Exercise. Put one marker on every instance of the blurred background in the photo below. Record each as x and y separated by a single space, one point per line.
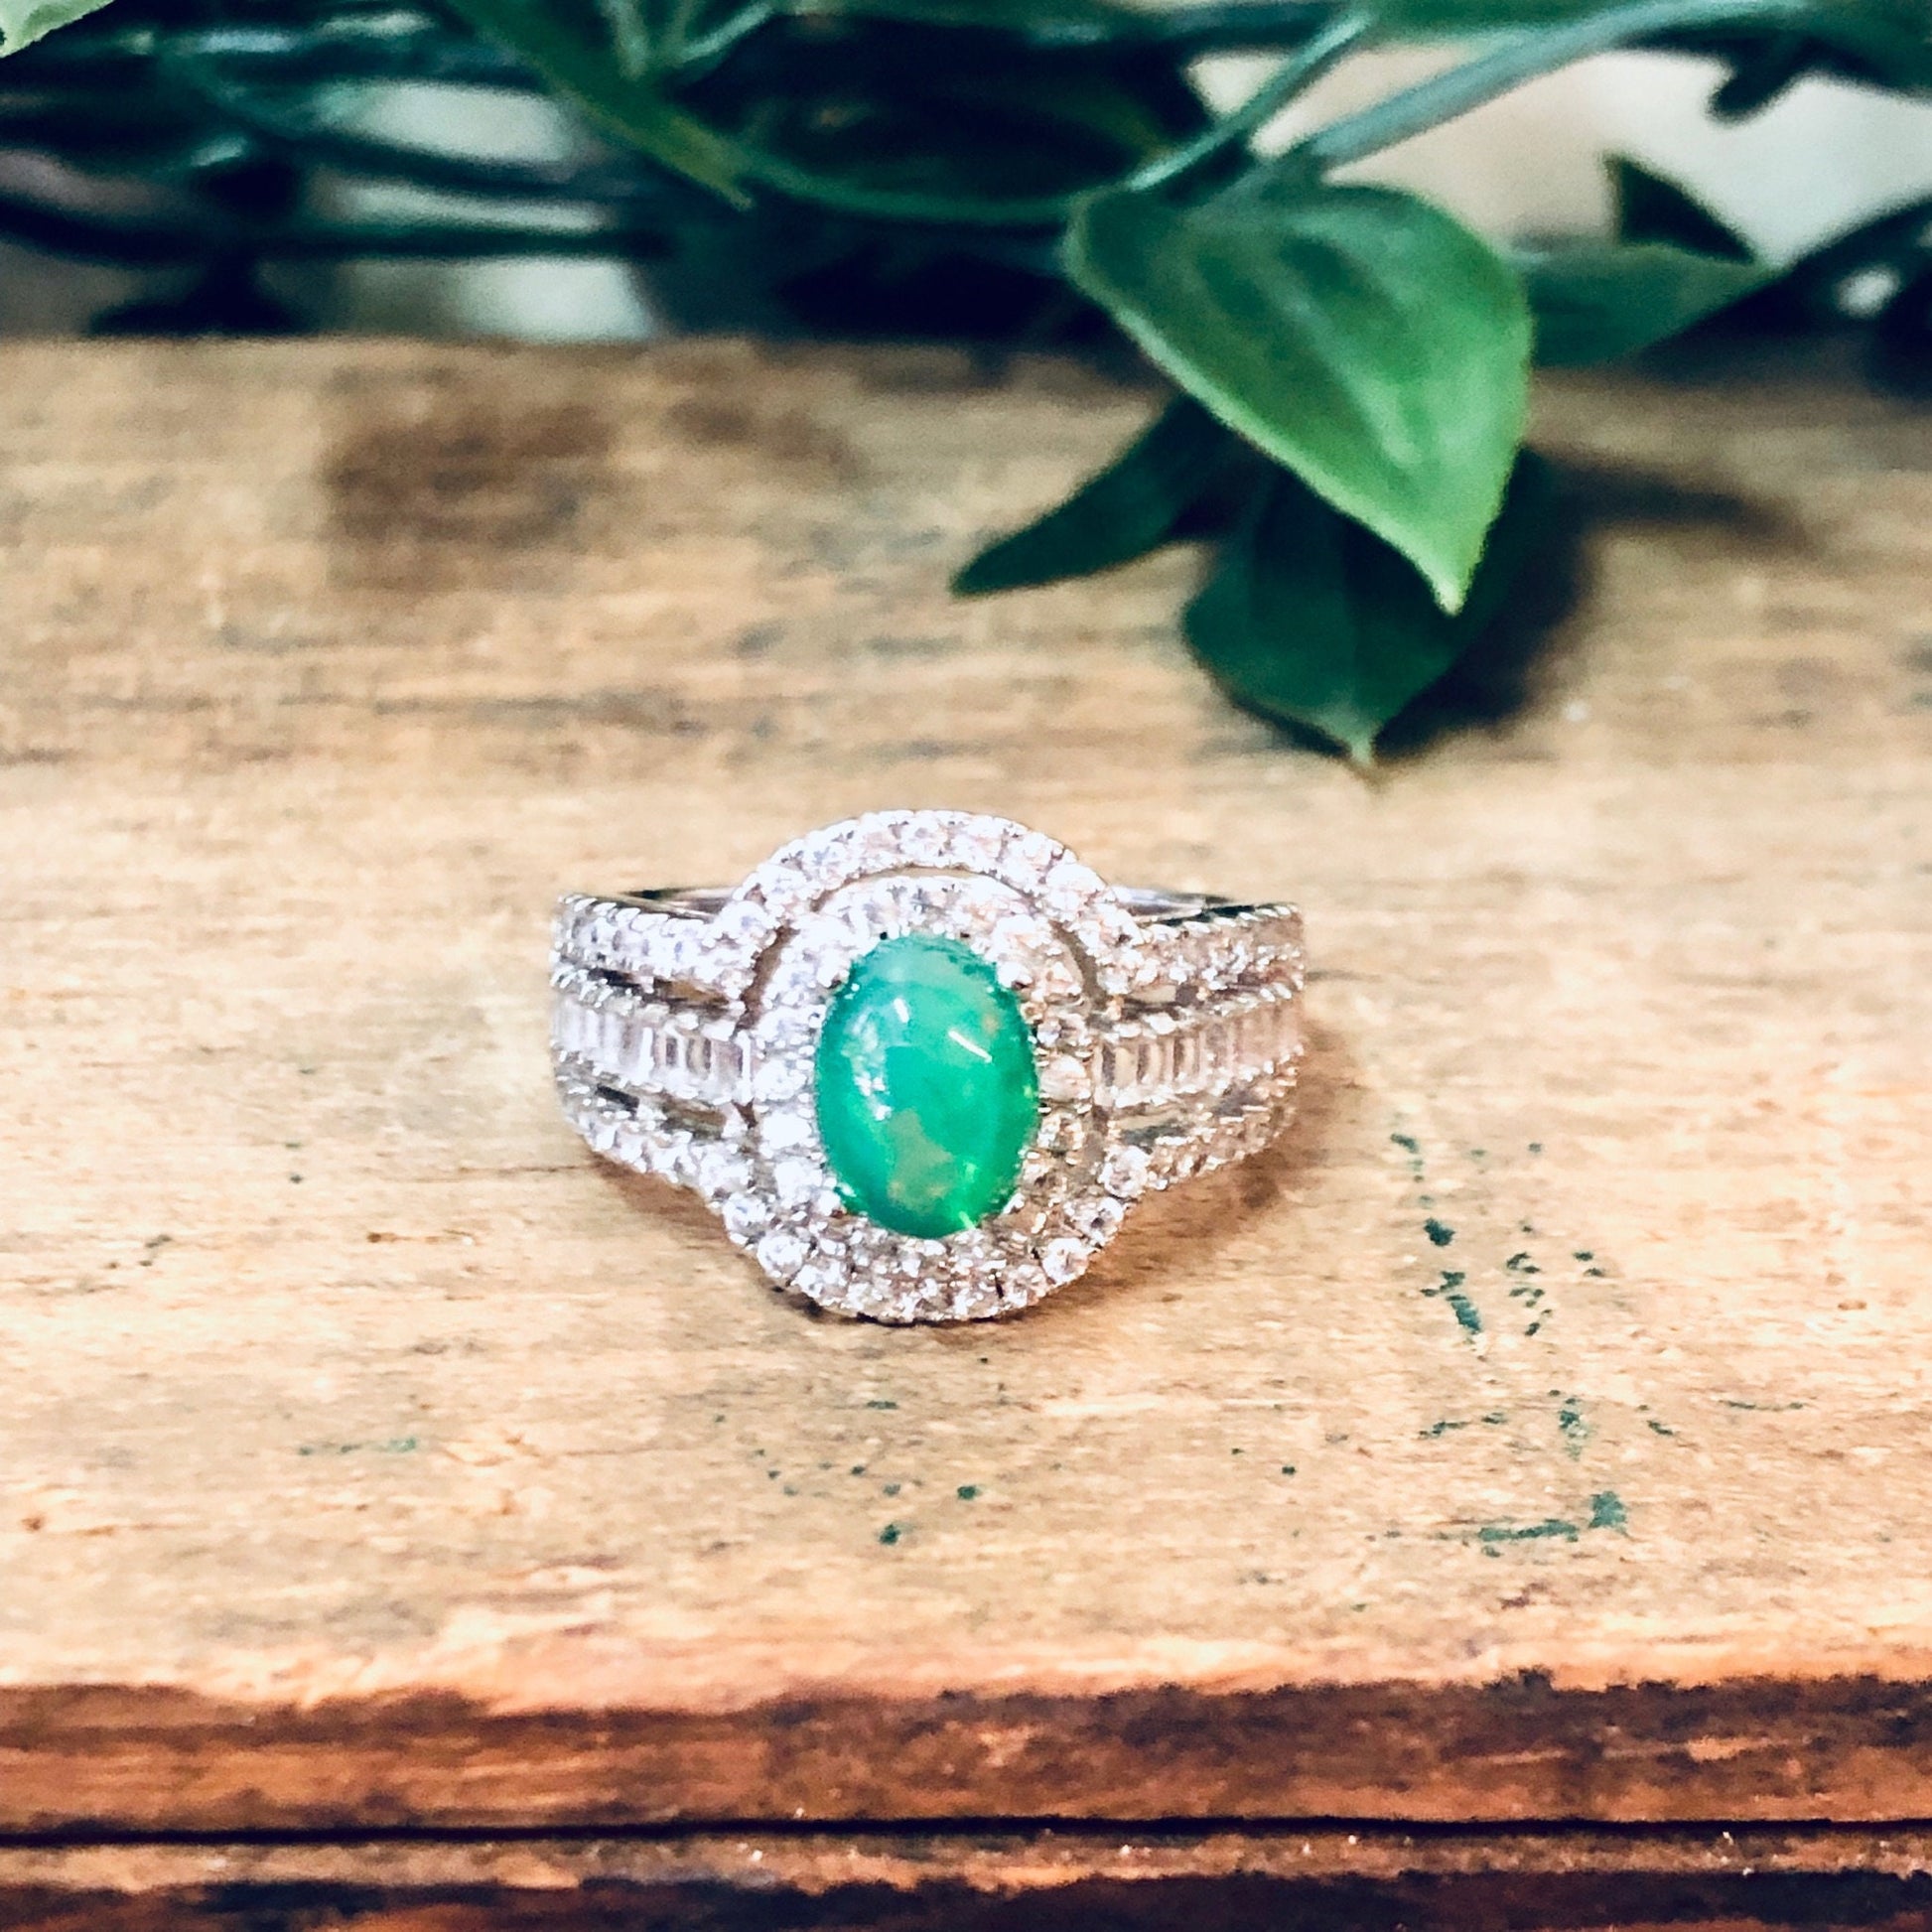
1826 155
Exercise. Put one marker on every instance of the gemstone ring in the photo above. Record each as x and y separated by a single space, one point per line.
922 1064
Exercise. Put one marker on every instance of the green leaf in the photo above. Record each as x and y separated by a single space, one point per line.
1314 620
1761 73
1648 207
1358 335
1595 301
1674 264
23 21
569 43
1885 41
1132 506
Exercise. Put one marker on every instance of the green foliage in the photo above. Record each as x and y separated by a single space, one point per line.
1137 504
1673 265
1649 208
23 21
1358 335
1352 361
1316 621
569 43
1596 302
857 114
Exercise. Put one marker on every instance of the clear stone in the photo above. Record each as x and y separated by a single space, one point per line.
1186 1060
874 845
1063 1260
743 926
1028 859
1024 1285
780 1078
722 1170
821 1280
974 1301
928 841
1063 1078
675 948
976 844
780 889
1070 887
785 1128
795 1179
1124 1172
909 1305
745 1216
782 1253
1098 1219
1038 1168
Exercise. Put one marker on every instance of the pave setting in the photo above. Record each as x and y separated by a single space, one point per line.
1139 1038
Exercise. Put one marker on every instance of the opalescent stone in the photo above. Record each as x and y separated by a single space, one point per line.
926 1090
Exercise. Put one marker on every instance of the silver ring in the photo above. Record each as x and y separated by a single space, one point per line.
922 1064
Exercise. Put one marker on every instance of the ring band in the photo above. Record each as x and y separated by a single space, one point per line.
921 1063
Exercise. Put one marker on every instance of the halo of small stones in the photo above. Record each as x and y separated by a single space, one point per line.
1059 941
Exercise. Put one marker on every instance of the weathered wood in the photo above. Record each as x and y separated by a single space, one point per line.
1541 1433
1366 1879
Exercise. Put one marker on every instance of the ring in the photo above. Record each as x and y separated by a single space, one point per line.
921 1063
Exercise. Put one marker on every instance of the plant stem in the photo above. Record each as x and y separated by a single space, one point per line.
1301 68
1445 97
1320 50
706 49
1341 33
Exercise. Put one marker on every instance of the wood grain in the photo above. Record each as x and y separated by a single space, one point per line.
1362 1881
1541 1433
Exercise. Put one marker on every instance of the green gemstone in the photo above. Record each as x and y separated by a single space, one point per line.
927 1091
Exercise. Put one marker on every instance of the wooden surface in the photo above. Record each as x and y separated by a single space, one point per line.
1541 1433
1365 1879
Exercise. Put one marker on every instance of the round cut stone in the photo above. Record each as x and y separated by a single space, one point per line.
926 1090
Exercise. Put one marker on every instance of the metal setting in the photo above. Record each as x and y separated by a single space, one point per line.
1166 1031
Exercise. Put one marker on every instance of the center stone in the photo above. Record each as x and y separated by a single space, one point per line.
927 1091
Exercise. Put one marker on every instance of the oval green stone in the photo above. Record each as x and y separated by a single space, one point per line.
927 1091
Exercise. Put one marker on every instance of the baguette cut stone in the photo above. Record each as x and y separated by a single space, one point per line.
926 1088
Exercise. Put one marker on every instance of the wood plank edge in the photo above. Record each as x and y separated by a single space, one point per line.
133 1760
994 1860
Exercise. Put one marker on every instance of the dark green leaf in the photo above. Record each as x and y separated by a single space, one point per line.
569 43
1885 41
1314 620
940 124
1650 209
1132 506
1595 301
1356 334
1762 72
23 21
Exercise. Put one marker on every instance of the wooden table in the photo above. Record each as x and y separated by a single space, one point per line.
394 1500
